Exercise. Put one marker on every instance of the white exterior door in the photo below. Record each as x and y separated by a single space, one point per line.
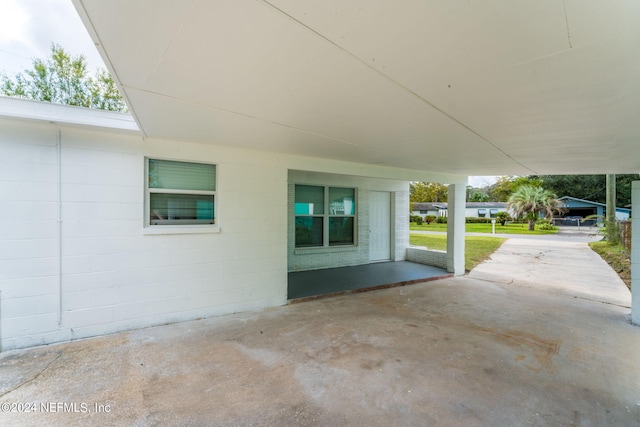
380 226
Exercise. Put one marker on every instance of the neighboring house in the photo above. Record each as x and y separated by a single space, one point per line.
424 209
472 209
574 207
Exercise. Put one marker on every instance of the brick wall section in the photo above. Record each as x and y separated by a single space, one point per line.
427 257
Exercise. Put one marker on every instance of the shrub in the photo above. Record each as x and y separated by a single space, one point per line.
441 220
503 217
419 220
429 218
545 225
475 220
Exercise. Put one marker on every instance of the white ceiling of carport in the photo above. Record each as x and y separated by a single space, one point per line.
464 87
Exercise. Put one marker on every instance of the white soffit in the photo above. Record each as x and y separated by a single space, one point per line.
470 88
25 109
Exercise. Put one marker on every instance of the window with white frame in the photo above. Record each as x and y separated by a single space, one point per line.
482 213
324 216
180 193
493 212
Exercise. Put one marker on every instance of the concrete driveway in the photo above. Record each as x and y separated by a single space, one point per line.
537 336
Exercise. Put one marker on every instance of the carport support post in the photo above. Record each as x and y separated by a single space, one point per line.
455 227
635 253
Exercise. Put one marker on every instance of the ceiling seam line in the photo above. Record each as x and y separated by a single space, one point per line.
403 87
307 131
173 38
566 22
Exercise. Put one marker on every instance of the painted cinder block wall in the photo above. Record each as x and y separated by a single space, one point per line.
76 262
111 276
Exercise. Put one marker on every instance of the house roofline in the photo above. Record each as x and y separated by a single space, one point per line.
26 109
592 202
468 205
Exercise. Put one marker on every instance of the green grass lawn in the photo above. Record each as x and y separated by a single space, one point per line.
484 228
476 248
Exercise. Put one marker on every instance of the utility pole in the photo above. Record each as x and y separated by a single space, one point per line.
613 235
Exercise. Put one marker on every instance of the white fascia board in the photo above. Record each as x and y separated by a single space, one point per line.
66 115
315 164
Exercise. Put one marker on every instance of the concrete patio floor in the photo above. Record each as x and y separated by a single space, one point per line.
312 284
537 336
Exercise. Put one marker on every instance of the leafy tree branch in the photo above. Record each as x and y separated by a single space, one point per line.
64 79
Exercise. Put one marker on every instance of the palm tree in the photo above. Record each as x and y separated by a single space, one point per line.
528 202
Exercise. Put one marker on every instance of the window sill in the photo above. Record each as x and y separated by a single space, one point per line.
180 229
324 249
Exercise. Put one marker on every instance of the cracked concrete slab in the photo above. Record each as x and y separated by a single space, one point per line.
515 343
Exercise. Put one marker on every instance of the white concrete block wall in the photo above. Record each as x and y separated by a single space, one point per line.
114 277
105 274
28 231
427 257
401 222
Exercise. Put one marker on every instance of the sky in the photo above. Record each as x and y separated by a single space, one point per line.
482 181
28 27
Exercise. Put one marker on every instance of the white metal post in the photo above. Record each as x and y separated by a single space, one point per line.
455 228
635 253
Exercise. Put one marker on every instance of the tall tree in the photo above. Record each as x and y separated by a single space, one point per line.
590 187
507 185
477 195
529 201
623 188
427 192
613 235
64 79
587 187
